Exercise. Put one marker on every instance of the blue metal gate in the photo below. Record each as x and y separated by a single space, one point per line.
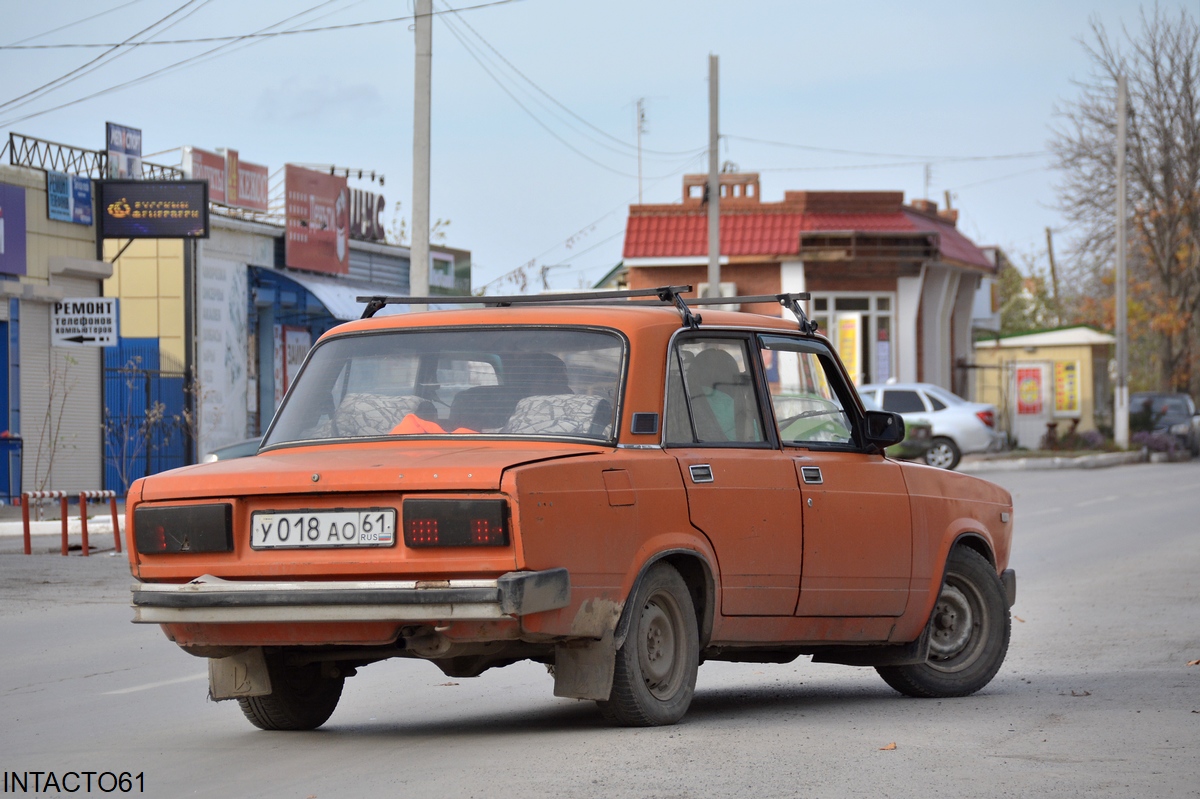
148 424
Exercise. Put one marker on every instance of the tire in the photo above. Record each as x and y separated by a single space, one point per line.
943 453
969 632
301 697
655 671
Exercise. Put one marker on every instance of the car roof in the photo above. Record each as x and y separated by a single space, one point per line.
627 317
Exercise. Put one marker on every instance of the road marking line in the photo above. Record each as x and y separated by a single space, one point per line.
151 685
1042 512
1087 502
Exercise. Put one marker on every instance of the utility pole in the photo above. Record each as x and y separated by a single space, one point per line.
714 185
1121 401
641 128
418 271
1053 277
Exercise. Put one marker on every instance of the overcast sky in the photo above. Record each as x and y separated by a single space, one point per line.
915 83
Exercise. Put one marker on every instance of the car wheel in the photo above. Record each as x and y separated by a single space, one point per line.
943 453
655 672
301 698
968 633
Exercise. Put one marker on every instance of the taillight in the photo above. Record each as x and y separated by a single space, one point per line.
987 417
455 523
184 528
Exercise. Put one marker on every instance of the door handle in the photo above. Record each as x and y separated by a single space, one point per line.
701 473
812 475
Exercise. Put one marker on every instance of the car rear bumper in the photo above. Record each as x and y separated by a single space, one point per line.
209 599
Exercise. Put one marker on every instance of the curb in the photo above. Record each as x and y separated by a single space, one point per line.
1100 461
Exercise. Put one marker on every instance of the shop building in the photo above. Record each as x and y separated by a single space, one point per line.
1058 378
893 285
206 329
50 421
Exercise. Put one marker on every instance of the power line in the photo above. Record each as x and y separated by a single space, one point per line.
471 52
257 34
94 64
552 99
924 158
588 228
71 24
498 69
163 70
1001 177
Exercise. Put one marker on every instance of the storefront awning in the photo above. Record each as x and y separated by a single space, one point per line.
339 295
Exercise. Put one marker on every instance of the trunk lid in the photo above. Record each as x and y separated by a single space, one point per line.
358 467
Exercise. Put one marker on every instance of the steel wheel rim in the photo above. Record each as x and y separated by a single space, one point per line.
661 656
940 455
959 626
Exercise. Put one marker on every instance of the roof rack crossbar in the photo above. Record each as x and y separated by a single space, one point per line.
376 302
792 303
662 295
671 294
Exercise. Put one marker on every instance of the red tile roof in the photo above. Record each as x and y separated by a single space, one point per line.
679 232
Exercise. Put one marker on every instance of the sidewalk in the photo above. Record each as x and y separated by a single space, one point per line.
1034 461
46 535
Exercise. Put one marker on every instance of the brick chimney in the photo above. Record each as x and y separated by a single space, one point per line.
927 207
737 188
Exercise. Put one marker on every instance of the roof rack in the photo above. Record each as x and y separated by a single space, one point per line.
662 295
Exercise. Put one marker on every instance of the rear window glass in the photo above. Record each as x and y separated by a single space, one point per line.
900 401
506 382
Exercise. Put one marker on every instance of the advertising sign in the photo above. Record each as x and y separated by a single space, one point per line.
1066 388
124 152
318 221
848 333
12 229
246 183
291 346
159 209
231 181
202 165
223 342
69 198
84 322
1029 391
366 216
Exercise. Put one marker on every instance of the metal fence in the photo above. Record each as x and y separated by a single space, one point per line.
148 427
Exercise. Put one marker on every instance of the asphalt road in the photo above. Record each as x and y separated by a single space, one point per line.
1096 698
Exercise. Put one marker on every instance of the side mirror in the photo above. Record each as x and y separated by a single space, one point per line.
884 428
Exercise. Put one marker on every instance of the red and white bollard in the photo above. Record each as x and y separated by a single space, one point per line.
111 496
28 495
84 496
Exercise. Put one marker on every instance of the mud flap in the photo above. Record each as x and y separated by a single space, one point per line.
584 669
239 676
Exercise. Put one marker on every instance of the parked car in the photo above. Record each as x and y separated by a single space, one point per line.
238 449
1169 413
959 426
601 486
918 434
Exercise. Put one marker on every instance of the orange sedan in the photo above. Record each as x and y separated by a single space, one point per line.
618 490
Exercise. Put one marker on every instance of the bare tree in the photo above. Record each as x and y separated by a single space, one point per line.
1161 62
52 438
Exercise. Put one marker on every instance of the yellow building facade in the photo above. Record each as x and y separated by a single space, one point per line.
1058 377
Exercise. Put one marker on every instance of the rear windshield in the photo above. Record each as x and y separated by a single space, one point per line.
558 383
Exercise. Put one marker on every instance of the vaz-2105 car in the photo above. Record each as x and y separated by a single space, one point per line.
618 489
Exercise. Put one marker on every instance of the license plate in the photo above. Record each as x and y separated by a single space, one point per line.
372 527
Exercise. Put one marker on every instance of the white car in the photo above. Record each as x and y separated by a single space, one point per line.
959 426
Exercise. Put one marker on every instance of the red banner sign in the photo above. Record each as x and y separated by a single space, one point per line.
231 181
318 221
1029 391
203 165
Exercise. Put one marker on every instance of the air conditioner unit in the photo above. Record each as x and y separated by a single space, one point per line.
726 290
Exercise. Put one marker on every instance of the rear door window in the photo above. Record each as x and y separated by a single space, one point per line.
902 401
